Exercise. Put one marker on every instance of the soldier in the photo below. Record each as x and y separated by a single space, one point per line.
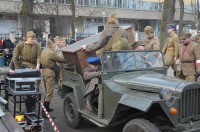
151 41
58 52
91 74
170 49
106 35
27 54
189 55
60 43
48 62
197 37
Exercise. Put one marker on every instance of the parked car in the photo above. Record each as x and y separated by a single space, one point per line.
135 90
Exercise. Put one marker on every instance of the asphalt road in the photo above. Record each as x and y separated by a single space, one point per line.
57 105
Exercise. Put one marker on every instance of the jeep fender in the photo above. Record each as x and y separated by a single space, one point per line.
140 103
77 91
140 100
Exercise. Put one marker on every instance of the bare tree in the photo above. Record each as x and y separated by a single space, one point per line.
198 12
181 2
27 16
167 17
73 16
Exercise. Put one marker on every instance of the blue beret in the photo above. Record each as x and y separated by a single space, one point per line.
93 60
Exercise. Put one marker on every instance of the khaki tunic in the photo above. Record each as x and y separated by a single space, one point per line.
59 65
48 64
170 49
26 54
188 60
152 44
4 71
197 39
104 38
91 77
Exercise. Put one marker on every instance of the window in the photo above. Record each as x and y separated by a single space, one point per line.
86 2
80 2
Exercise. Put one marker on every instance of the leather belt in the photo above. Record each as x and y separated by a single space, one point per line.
47 68
191 61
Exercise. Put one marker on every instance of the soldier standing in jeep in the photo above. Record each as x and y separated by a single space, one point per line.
105 42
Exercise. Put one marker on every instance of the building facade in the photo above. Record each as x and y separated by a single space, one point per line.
53 16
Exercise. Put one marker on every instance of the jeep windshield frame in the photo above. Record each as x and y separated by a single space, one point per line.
123 61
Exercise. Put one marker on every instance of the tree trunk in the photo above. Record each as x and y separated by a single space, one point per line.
167 17
198 28
72 8
181 2
26 15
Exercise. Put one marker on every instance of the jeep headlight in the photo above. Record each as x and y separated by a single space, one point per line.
166 94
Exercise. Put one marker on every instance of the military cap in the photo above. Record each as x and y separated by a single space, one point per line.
148 29
137 43
30 34
170 26
93 60
185 35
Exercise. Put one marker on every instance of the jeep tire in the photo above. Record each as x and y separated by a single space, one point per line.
140 125
72 116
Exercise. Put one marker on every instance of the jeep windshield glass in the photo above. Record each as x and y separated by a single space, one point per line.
131 60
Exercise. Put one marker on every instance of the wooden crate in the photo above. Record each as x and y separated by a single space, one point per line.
75 58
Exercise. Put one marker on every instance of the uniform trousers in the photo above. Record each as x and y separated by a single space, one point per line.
190 78
49 86
169 59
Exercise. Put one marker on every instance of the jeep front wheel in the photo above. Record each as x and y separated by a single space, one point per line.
140 125
72 116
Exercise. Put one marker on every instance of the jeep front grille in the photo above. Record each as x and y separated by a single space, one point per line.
190 105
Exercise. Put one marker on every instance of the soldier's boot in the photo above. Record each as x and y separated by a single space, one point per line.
47 106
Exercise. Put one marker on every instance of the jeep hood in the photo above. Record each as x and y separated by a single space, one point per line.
150 81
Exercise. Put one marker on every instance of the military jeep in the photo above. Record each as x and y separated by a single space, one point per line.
135 90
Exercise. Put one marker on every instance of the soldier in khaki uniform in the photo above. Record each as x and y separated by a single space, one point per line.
151 41
197 37
27 54
189 55
60 43
170 49
107 33
48 65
